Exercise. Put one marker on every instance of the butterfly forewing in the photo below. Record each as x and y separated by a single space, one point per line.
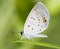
37 20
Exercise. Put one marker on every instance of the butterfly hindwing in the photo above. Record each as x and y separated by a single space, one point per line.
37 20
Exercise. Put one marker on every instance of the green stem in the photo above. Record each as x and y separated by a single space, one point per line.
40 44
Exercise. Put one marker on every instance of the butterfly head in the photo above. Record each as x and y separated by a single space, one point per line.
27 36
21 33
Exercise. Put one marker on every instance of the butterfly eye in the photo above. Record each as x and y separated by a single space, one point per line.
21 32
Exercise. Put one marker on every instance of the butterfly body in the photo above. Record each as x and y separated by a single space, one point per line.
37 21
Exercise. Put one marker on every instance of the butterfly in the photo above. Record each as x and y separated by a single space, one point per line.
36 22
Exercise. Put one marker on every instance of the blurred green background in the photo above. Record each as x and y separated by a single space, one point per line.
13 14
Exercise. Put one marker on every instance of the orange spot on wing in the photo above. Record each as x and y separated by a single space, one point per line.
44 19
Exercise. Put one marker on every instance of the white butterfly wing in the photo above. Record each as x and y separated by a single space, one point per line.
37 20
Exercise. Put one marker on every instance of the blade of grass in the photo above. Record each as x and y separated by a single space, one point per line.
40 44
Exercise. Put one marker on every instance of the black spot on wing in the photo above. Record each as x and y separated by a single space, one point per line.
32 28
40 29
28 25
32 18
41 26
39 22
39 19
38 25
34 9
45 20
